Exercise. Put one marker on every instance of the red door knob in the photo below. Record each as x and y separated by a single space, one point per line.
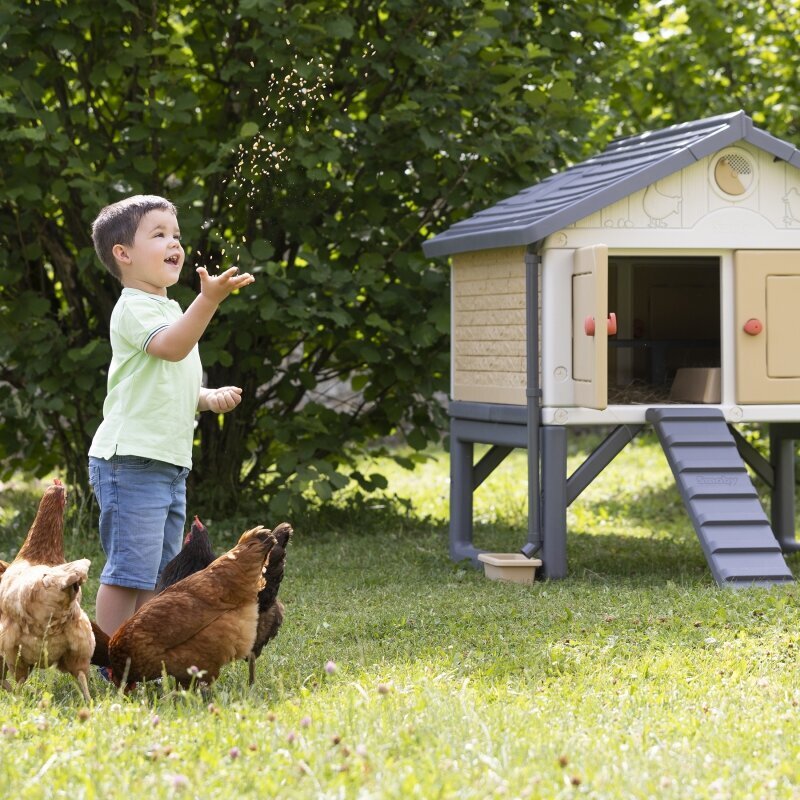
611 325
753 326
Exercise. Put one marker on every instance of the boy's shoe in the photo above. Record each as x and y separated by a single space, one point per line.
105 673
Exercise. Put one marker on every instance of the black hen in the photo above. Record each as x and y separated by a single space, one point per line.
100 656
196 554
270 609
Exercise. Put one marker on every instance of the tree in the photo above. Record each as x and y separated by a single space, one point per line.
698 58
315 144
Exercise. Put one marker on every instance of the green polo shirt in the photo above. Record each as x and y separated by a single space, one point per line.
151 403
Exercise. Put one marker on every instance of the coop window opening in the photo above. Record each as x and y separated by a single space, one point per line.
668 318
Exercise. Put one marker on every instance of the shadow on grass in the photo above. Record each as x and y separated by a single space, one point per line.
614 557
649 507
671 554
660 546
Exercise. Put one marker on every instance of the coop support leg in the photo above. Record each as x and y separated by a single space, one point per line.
781 453
461 455
554 501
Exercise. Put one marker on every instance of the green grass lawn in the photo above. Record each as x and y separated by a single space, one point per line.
636 677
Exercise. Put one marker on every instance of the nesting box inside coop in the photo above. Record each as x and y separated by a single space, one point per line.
600 297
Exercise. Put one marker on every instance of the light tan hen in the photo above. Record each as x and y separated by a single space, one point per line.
41 620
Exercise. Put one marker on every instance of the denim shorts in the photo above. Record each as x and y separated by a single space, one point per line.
142 514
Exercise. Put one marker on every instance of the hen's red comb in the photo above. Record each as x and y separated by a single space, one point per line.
57 482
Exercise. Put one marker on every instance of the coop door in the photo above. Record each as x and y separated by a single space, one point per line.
589 326
767 287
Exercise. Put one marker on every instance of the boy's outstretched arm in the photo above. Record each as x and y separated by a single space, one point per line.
226 398
176 341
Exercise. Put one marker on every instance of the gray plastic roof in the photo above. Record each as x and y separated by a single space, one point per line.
626 166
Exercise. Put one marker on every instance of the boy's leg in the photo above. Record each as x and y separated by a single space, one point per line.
143 597
115 604
136 497
176 520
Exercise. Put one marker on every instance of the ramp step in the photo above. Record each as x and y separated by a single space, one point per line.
738 511
721 539
686 413
746 566
705 457
707 483
719 496
692 433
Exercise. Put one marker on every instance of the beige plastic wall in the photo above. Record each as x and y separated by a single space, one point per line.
768 360
488 326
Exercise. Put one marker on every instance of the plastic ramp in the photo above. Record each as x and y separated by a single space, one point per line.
722 502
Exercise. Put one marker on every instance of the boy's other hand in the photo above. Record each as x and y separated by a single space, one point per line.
221 400
217 287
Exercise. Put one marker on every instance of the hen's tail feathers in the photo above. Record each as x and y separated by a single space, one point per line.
68 576
269 622
283 533
100 657
273 569
259 532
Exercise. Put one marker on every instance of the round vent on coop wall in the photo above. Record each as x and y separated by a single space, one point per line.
733 173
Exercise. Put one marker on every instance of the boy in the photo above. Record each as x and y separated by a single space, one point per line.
141 453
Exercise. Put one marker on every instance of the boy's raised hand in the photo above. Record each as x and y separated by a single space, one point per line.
176 341
217 287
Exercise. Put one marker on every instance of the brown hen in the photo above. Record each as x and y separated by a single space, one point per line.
41 620
196 554
199 623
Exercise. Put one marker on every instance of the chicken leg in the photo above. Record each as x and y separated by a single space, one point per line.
84 685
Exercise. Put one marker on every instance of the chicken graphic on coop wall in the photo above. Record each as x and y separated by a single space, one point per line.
658 205
792 201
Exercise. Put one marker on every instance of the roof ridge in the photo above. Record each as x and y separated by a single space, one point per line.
686 127
625 166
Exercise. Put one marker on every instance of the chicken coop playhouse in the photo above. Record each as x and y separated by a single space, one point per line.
657 283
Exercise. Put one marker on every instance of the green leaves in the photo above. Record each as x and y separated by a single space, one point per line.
248 130
261 250
315 144
706 57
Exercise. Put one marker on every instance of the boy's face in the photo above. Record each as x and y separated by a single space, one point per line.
154 261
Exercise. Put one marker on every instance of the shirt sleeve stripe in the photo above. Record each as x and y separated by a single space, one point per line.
151 335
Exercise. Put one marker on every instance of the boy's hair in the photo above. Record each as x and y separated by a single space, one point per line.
117 224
